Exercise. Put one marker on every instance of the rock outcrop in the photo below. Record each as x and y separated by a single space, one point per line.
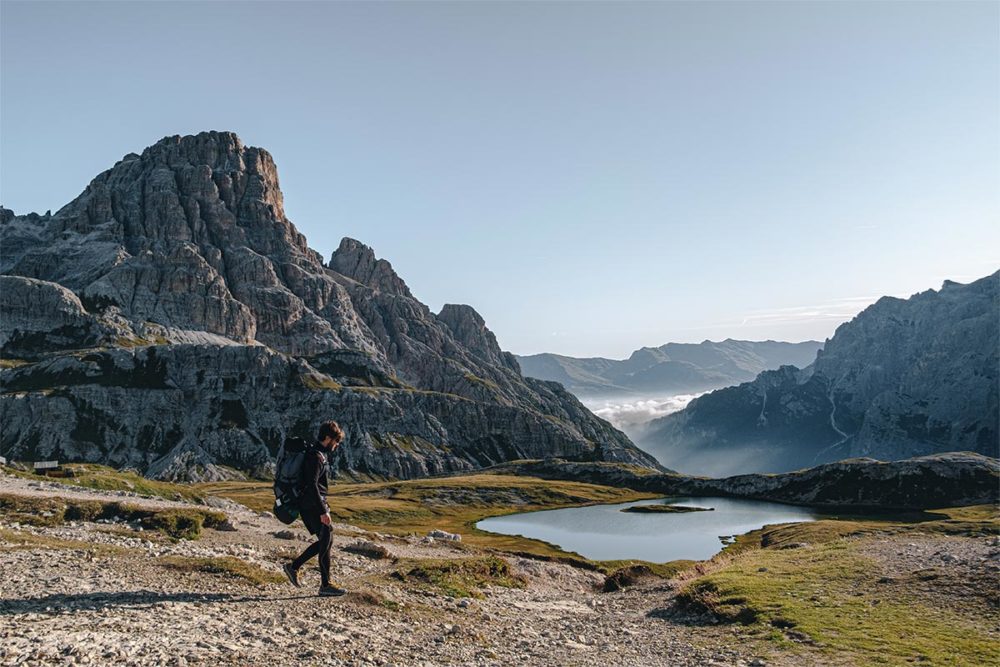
357 261
469 328
40 315
906 377
171 318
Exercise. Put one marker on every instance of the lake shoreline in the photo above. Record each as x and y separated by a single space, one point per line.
634 531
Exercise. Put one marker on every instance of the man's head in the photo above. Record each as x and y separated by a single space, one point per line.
330 435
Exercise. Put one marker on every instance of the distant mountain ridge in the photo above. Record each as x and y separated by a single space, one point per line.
906 377
673 368
172 319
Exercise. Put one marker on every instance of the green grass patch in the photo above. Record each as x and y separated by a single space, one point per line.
829 594
319 382
662 570
103 478
182 523
53 511
624 573
226 566
461 577
17 539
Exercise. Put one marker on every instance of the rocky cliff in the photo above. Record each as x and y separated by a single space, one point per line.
171 318
906 377
673 368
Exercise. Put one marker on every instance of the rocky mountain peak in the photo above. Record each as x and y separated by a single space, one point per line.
179 266
210 176
469 328
218 150
357 261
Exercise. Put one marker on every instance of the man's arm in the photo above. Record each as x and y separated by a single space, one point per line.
312 496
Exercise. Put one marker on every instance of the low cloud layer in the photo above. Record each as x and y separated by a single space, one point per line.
630 415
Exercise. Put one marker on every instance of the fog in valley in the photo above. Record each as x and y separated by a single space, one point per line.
716 463
634 414
631 414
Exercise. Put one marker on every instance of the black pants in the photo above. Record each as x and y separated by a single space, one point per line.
321 547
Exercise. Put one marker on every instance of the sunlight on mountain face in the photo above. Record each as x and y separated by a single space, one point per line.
632 413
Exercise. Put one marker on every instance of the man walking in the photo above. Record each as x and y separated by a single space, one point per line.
314 510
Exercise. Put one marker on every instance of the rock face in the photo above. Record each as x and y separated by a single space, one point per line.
904 378
674 368
171 318
40 315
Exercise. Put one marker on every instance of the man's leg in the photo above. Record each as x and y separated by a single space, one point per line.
325 539
313 525
309 552
323 547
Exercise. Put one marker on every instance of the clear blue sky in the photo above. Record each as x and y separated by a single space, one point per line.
592 177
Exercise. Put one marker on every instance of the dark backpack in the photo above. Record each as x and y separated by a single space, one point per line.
288 478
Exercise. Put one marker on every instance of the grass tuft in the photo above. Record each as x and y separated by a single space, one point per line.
226 566
318 382
16 539
462 577
374 599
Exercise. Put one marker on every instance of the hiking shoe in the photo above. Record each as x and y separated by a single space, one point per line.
331 591
292 574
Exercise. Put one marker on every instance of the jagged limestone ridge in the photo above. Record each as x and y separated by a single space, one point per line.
187 248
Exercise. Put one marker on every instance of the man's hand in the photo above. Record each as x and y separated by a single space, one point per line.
325 519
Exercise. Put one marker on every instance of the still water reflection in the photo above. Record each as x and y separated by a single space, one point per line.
604 532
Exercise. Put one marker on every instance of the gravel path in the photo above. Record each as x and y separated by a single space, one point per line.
61 607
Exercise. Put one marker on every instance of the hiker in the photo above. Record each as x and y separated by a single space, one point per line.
314 510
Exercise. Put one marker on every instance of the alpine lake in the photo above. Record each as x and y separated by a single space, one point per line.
677 528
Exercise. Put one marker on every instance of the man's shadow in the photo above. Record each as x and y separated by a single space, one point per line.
61 602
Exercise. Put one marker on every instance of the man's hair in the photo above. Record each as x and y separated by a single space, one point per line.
330 430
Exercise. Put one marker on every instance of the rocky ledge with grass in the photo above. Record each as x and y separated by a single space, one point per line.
938 480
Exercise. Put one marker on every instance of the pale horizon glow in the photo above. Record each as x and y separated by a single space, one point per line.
591 177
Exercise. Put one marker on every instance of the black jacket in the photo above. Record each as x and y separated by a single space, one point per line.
313 499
